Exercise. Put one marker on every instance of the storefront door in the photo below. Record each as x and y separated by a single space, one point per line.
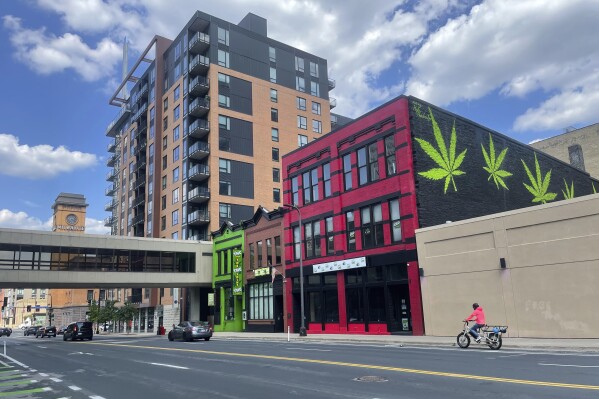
399 316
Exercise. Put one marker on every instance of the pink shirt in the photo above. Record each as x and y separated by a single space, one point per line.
479 315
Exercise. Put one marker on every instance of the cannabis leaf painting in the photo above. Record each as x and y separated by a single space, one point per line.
494 164
569 193
445 158
539 184
594 190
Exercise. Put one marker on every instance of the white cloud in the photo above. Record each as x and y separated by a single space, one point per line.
41 161
21 220
47 53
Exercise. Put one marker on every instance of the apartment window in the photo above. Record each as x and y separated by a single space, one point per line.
223 36
163 182
300 84
165 123
275 154
163 223
33 293
274 134
390 155
347 172
272 54
178 50
276 195
314 69
224 211
224 101
163 202
310 185
176 133
273 74
224 143
252 254
224 122
301 103
177 113
223 58
274 95
302 122
277 250
177 92
296 243
164 162
269 259
316 126
350 231
315 89
224 188
164 142
299 64
302 140
394 220
176 153
274 114
224 79
312 239
372 226
174 236
224 166
276 175
326 177
176 174
368 167
259 253
175 216
175 195
177 70
330 238
315 108
165 103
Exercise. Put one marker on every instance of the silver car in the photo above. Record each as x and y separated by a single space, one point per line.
190 330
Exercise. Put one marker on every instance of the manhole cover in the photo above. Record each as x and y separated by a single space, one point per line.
370 378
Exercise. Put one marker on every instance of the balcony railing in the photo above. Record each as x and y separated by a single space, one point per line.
109 221
198 217
331 84
138 219
139 200
198 151
199 85
198 129
199 107
111 160
111 175
198 195
333 102
111 189
198 172
111 146
109 206
199 237
199 42
111 129
199 64
141 111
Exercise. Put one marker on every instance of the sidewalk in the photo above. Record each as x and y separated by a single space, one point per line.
546 344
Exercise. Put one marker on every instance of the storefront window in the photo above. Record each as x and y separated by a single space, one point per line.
315 307
314 279
229 305
355 305
353 276
331 306
261 301
374 274
376 302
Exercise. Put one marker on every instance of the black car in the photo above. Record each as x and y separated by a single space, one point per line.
5 331
190 330
49 331
31 330
78 330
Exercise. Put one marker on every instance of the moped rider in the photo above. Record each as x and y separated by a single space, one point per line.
479 315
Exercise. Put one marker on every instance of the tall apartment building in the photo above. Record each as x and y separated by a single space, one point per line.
204 121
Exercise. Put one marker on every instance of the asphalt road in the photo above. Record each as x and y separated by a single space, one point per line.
153 367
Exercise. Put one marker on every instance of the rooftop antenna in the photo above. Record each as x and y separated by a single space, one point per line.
125 92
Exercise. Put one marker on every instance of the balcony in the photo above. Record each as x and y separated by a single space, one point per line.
111 146
138 183
199 237
199 65
141 162
199 86
140 112
139 201
198 129
110 190
111 175
333 120
141 146
198 151
109 206
331 84
199 42
198 173
111 160
199 107
138 219
143 92
109 221
198 195
112 128
198 217
333 102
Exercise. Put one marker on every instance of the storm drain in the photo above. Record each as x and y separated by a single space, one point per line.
370 378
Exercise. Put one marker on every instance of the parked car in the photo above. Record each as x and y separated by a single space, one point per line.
60 331
190 330
78 330
49 331
31 330
5 331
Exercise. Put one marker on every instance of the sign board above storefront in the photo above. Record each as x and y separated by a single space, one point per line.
339 265
263 271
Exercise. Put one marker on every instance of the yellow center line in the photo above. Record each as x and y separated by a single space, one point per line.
366 366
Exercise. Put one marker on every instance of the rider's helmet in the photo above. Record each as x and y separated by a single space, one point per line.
474 305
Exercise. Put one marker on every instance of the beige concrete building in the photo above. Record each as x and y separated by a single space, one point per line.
535 270
579 147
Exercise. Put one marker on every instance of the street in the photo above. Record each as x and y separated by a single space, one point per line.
152 367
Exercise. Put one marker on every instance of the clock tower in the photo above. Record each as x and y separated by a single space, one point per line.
69 213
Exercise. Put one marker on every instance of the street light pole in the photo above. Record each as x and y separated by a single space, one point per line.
302 331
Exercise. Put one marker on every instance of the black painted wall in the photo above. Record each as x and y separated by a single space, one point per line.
473 191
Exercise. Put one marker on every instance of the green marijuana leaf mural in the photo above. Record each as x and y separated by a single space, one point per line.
494 163
446 159
569 193
417 109
540 185
594 191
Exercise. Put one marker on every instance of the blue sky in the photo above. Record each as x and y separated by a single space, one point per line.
527 69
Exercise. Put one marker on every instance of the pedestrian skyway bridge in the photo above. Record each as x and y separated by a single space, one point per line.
44 259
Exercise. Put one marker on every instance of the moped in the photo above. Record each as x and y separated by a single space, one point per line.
490 335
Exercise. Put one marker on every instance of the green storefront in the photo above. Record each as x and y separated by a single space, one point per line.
227 278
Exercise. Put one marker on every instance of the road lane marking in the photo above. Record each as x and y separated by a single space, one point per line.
43 374
170 365
566 365
308 349
74 388
367 366
24 392
96 397
519 354
55 379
